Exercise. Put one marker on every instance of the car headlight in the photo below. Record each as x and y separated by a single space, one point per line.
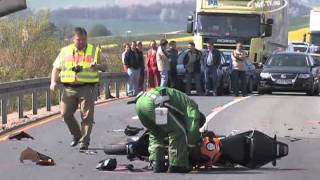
265 75
304 76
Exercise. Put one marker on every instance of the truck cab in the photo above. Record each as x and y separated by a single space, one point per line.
314 27
262 27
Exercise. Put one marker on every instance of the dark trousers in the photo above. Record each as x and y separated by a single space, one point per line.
141 80
239 79
211 78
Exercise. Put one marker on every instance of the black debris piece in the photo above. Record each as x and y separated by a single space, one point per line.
20 136
107 164
132 131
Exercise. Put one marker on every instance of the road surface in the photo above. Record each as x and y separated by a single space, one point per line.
294 118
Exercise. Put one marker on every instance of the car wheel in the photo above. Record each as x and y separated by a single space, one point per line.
311 92
269 92
260 91
317 91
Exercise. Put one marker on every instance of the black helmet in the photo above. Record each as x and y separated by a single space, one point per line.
107 164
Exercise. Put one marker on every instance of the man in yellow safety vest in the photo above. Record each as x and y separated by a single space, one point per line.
78 65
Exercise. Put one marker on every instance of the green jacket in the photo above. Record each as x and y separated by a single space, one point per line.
190 109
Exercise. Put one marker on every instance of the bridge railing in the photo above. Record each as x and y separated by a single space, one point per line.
34 87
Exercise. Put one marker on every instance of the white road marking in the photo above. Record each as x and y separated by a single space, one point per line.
135 118
219 109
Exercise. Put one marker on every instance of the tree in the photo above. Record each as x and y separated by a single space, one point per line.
100 30
65 28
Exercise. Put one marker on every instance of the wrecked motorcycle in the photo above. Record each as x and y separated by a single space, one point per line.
251 149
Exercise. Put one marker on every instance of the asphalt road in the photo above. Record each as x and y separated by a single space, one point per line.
294 118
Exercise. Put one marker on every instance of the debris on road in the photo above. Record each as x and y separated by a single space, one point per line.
132 131
89 152
290 129
21 135
118 130
38 158
293 139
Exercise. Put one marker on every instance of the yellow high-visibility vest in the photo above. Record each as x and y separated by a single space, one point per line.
69 59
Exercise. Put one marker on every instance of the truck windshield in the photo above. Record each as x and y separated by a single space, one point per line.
315 38
232 25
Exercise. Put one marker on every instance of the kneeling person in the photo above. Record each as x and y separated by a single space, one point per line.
167 112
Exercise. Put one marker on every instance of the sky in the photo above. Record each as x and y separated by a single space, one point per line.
55 4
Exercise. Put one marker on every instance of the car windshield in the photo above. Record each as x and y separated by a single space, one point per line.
223 25
300 49
293 60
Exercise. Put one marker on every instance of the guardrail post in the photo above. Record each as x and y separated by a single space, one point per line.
34 103
126 87
106 90
117 86
4 109
20 106
48 100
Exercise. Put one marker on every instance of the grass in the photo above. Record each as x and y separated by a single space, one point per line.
298 23
120 27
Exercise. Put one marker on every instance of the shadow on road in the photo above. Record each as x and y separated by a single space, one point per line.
287 94
241 170
226 171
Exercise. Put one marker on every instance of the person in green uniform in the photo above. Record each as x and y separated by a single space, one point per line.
167 112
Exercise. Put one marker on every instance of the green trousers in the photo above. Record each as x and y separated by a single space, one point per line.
175 131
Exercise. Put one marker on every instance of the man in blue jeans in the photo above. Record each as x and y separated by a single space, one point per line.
192 62
211 60
131 63
163 62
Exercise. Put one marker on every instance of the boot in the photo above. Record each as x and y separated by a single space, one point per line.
159 166
178 169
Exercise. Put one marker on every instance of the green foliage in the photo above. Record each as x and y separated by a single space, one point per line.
29 45
99 30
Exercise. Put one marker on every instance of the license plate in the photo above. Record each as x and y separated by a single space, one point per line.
284 81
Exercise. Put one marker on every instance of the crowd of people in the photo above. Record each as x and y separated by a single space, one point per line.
159 64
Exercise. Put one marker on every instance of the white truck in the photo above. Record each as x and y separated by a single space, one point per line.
315 27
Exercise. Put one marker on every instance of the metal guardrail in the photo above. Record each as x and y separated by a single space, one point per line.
35 86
